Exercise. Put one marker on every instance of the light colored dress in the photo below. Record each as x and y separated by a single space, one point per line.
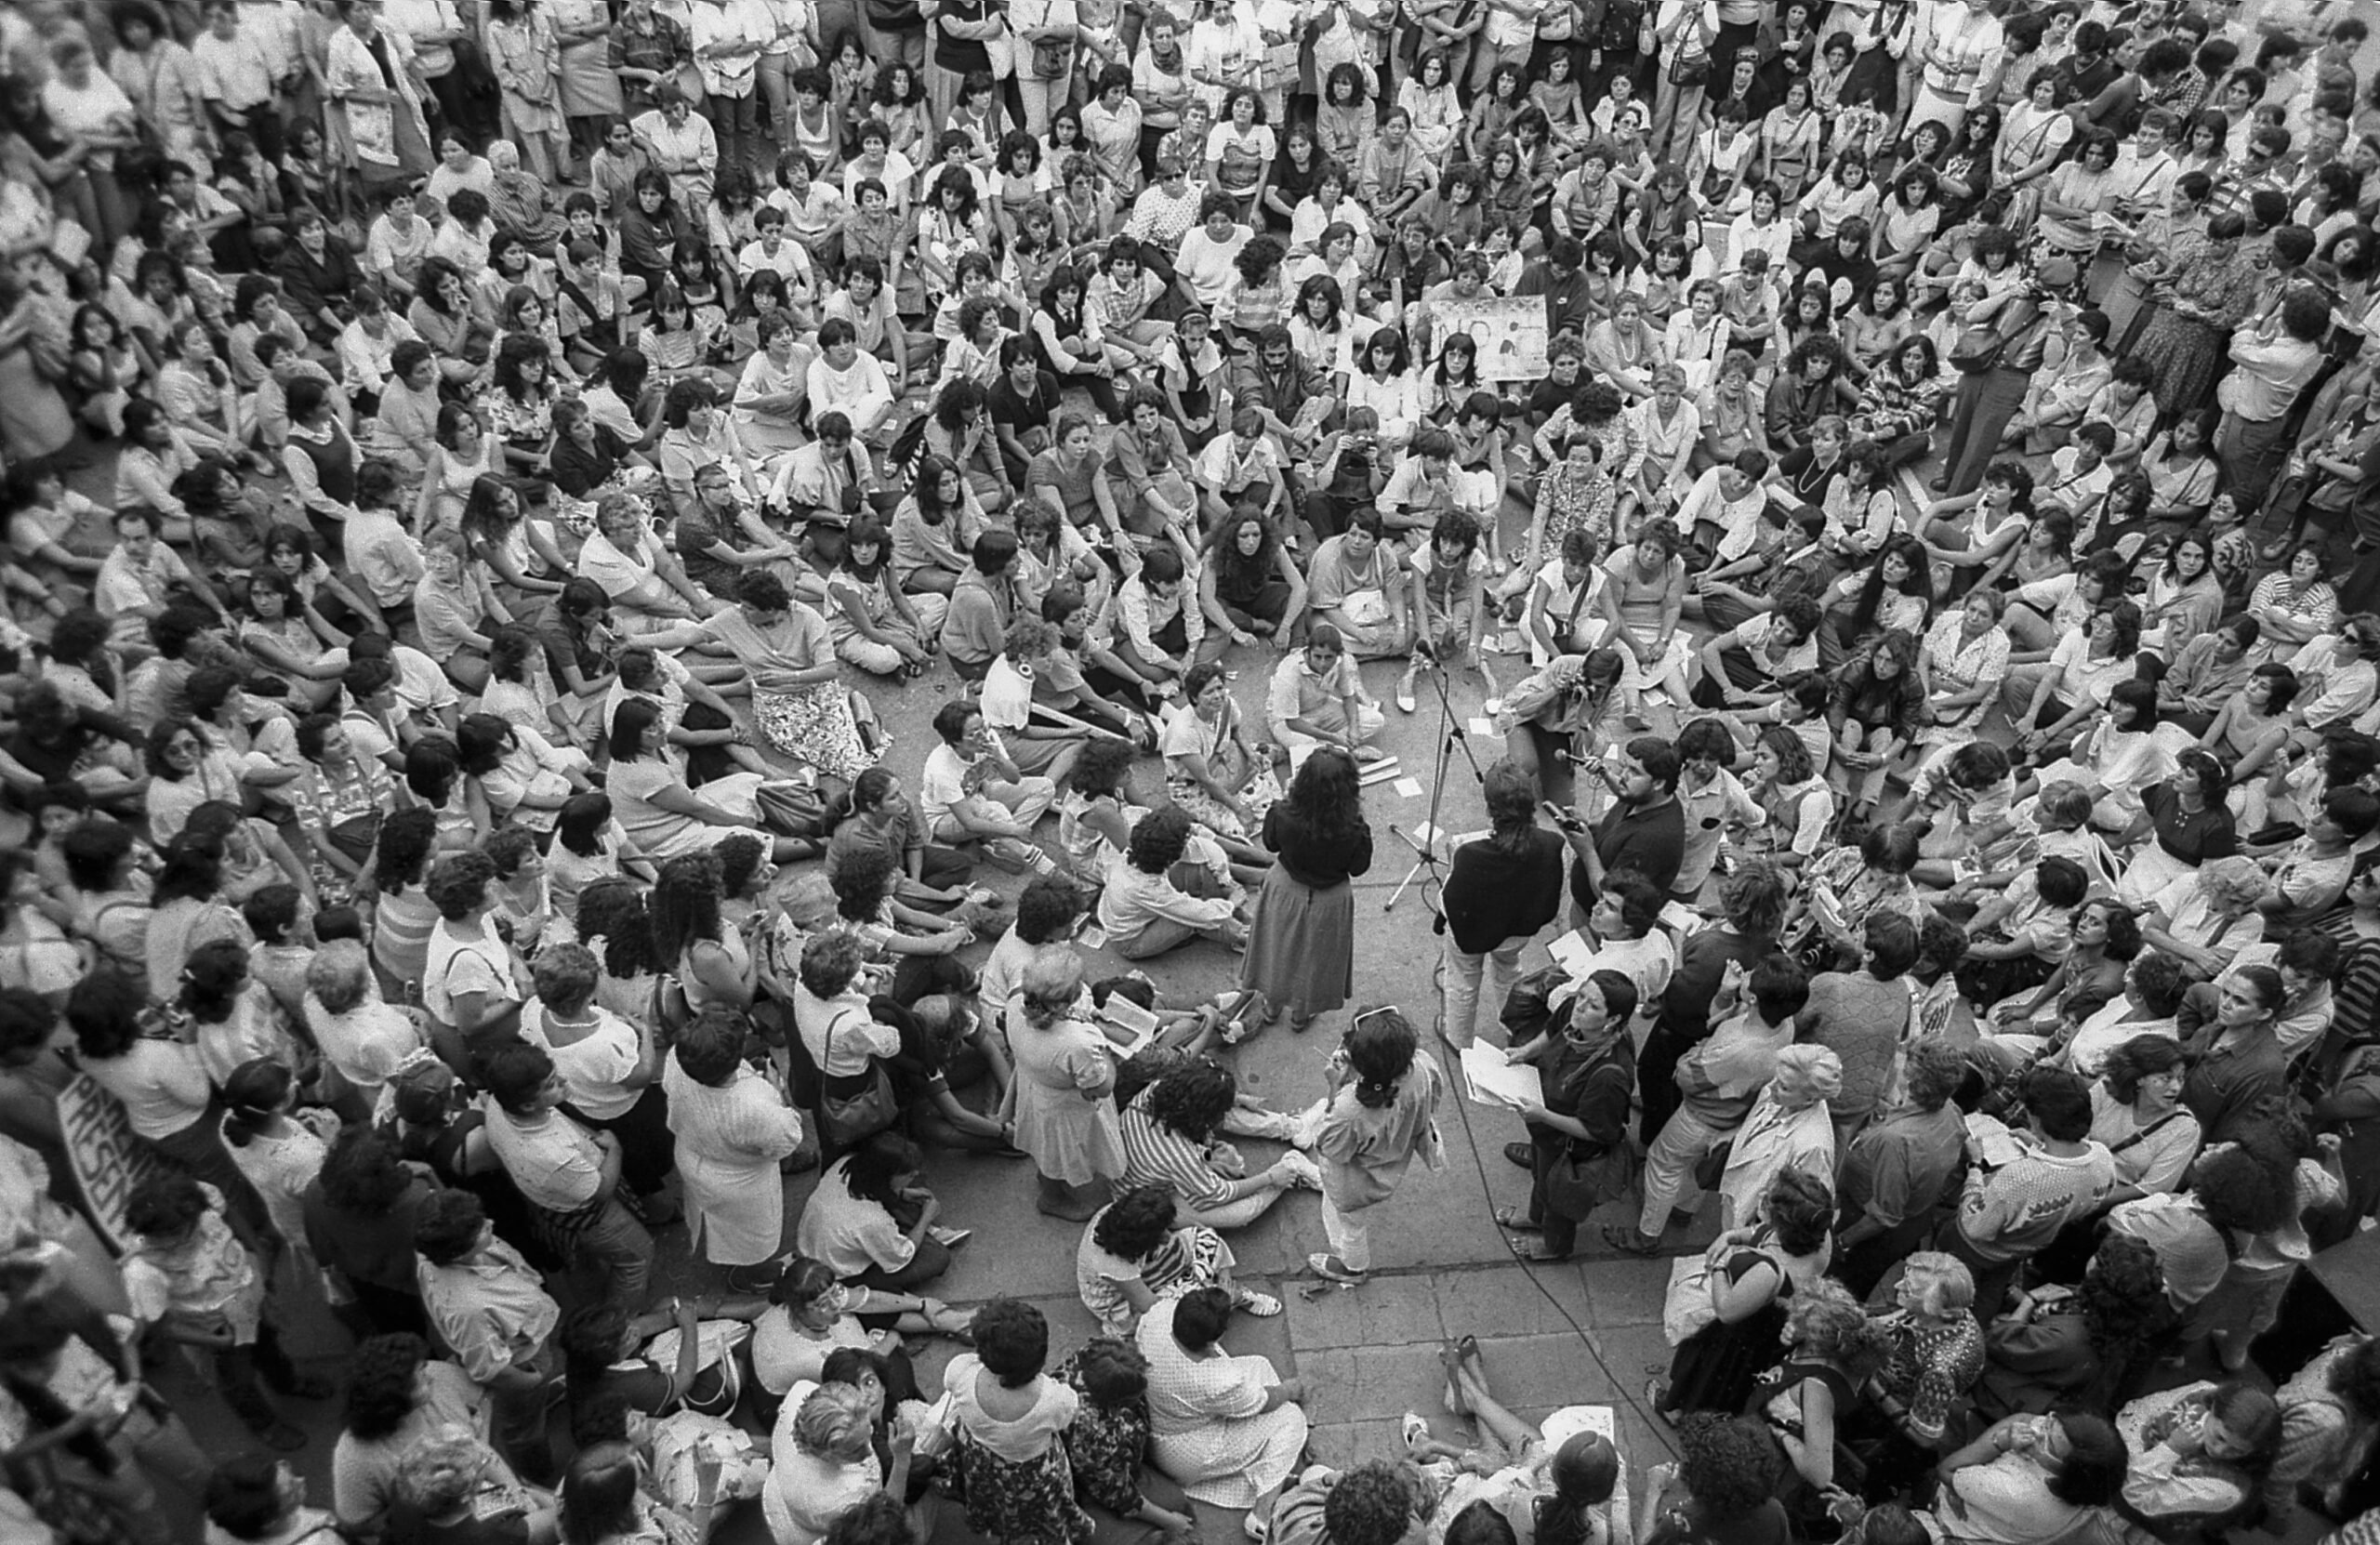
660 833
729 1142
525 55
1954 663
589 87
1207 1417
282 1168
1072 1138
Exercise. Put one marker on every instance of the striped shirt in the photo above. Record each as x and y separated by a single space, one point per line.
1156 1154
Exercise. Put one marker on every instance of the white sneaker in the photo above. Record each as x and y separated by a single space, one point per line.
1302 1171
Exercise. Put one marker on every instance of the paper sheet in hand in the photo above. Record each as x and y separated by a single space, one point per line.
1992 1143
1573 953
1490 1080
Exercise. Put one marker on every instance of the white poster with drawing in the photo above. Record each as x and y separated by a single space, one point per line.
1509 330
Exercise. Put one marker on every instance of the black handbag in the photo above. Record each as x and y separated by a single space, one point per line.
1585 1178
853 1108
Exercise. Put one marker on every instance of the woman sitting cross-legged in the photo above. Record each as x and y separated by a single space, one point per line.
812 1315
1144 909
1228 1429
1108 1445
872 1221
1170 1140
1137 1249
1009 1418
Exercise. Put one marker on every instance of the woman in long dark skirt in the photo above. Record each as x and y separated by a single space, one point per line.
1755 1272
1302 946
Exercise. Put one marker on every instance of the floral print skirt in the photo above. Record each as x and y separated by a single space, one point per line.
1020 1502
815 724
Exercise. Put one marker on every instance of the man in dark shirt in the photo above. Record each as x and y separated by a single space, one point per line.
2089 69
1277 384
1646 831
1559 276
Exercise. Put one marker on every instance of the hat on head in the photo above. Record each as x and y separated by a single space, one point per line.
2059 273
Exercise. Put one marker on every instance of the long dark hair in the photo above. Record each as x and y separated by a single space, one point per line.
1223 543
870 1169
1919 582
1325 799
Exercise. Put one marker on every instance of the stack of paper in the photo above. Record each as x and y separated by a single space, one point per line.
1386 770
1487 1080
1574 952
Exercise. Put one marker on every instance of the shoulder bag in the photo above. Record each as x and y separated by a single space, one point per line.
854 1107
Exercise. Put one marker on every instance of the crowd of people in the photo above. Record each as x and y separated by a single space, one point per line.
1952 413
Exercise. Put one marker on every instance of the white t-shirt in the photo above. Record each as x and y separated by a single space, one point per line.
943 782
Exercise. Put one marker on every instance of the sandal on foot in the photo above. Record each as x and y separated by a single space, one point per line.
1263 1306
1416 1428
1404 699
1622 1236
1450 1359
1517 1221
1657 1396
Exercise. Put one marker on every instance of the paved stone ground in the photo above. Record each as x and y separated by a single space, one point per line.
1577 1332
1585 1332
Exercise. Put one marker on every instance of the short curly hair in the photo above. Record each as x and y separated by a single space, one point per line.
830 962
380 1375
1728 1464
1371 1504
1159 842
1135 1223
1012 1339
457 884
1194 1099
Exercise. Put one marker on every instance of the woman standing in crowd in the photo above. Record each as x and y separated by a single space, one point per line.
1302 945
270 930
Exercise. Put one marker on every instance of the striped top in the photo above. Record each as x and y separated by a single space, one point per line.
1156 1154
